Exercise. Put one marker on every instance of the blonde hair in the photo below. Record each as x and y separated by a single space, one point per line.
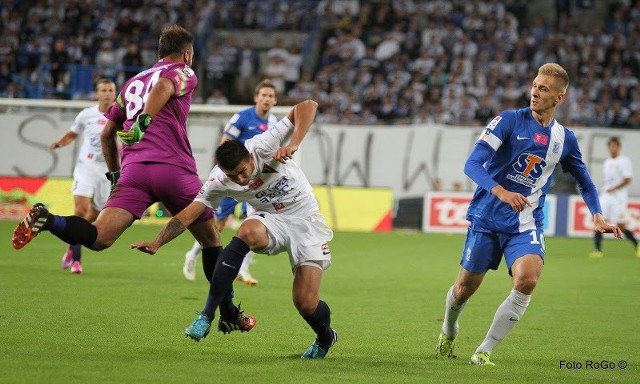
556 70
104 81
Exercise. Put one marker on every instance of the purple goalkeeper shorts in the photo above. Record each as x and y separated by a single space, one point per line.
142 184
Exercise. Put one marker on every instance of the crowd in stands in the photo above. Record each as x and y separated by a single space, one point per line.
381 61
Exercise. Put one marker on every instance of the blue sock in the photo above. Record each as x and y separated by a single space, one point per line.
76 252
57 224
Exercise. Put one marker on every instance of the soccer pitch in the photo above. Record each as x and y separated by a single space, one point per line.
122 320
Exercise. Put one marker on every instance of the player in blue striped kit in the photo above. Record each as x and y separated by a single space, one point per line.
512 163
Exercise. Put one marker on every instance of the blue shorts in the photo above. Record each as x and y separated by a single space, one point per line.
227 206
483 249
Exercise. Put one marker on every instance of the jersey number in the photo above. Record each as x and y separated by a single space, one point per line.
534 238
137 94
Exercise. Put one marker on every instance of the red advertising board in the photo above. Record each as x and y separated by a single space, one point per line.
445 212
580 221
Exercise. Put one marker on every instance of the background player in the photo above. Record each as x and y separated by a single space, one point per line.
520 148
242 126
614 196
90 188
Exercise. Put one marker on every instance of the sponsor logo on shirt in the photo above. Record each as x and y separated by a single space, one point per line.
494 123
280 188
541 139
325 249
529 168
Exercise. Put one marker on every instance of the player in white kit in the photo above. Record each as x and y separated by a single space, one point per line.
614 196
286 218
90 186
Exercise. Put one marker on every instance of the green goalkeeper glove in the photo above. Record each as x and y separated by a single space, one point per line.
113 178
136 132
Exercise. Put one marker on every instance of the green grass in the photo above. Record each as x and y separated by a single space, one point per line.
122 320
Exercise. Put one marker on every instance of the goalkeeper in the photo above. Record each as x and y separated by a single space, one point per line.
149 116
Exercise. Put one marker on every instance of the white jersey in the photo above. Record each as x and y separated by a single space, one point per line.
615 170
90 122
274 187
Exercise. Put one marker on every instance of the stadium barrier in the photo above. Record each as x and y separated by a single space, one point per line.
346 209
564 214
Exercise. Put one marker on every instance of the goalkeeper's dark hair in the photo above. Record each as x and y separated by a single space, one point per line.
174 40
231 153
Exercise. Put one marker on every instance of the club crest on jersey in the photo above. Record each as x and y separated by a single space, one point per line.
278 206
529 168
541 139
256 184
556 147
325 249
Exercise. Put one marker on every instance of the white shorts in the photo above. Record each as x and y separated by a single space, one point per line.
614 208
91 182
304 238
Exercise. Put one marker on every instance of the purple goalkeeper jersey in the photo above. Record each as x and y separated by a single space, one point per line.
165 139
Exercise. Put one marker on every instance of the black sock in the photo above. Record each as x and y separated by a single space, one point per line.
320 322
225 272
598 241
76 252
209 260
72 229
629 235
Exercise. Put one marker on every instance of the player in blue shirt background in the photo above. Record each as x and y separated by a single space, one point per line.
512 163
242 126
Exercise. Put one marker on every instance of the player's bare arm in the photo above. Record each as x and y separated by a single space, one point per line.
64 140
110 145
178 224
517 201
623 184
602 226
302 116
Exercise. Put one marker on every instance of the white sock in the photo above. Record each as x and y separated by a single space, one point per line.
506 317
452 311
244 268
194 251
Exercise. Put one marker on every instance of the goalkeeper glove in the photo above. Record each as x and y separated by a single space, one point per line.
136 132
113 178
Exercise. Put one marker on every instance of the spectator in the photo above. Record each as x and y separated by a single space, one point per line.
132 61
275 71
59 59
217 98
293 63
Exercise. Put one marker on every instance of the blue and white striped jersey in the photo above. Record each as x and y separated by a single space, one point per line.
245 124
524 155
